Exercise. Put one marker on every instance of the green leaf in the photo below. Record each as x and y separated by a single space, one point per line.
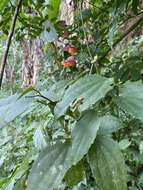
109 124
49 34
10 186
39 139
3 181
133 188
18 174
54 8
131 99
7 100
50 168
141 147
26 91
64 156
135 4
123 144
84 135
56 91
53 163
20 185
89 90
12 107
75 174
3 3
107 164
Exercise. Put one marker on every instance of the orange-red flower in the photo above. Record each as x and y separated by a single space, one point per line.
70 62
72 50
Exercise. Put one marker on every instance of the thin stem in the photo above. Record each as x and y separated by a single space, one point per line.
86 41
4 59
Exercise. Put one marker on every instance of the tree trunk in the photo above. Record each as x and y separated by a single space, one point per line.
31 65
37 54
67 11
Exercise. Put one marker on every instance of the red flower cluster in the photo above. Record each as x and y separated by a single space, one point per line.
70 62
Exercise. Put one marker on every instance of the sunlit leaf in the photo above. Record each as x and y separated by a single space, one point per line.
54 10
3 3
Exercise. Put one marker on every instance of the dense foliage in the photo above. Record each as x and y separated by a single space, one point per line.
81 126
